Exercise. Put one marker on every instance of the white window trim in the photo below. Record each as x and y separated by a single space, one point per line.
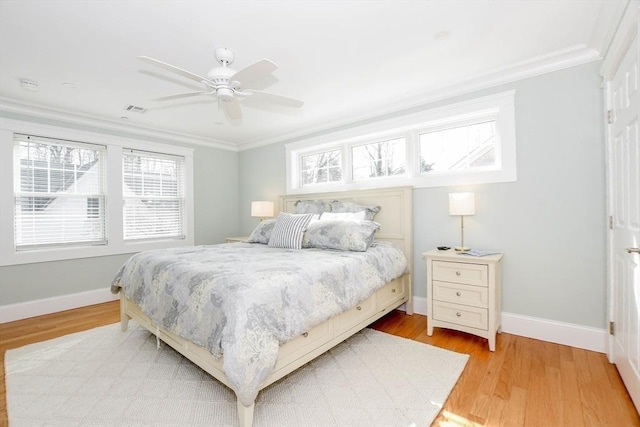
116 244
500 105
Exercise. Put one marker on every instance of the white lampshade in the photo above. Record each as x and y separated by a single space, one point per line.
462 204
262 209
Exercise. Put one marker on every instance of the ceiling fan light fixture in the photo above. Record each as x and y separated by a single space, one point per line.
220 74
227 84
225 94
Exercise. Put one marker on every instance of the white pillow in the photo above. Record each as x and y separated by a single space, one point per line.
288 230
343 216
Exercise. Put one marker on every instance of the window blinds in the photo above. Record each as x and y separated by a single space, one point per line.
59 192
153 190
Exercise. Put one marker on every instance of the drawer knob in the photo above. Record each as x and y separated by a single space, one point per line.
306 334
393 291
458 314
458 293
457 273
359 308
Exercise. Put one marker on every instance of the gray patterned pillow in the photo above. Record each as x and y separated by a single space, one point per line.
262 232
340 206
288 230
311 206
341 235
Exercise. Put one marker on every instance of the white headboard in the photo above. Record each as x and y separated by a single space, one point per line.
395 216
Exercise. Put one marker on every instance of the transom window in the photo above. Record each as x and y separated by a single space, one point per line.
472 142
379 159
322 168
465 147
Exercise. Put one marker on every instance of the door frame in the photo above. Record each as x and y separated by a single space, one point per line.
621 40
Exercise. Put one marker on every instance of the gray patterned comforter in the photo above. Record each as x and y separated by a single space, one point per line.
244 300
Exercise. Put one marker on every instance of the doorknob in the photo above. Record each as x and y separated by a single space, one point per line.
633 250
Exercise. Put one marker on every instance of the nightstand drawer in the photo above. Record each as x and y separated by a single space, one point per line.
461 315
456 293
459 272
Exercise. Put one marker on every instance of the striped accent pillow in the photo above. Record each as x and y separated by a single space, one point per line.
288 231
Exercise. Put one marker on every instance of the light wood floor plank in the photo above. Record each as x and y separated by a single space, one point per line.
513 413
525 382
571 407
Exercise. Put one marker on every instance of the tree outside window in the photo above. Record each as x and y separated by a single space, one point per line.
379 159
322 167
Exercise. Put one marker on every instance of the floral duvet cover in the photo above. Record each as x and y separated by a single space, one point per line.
244 300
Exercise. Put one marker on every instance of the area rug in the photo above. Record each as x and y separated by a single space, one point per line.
106 377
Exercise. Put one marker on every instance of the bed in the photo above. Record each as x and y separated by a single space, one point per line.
241 366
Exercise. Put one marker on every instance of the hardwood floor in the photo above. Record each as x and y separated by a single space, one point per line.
524 383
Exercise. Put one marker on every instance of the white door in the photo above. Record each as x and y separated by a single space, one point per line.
624 173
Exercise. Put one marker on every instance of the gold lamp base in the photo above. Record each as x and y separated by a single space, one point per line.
461 249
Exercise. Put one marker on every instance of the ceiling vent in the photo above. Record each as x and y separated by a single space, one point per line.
135 109
29 85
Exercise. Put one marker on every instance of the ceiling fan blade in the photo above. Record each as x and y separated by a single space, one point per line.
231 109
174 69
181 95
276 99
254 72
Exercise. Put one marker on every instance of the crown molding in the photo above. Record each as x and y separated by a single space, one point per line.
554 61
626 30
611 13
37 111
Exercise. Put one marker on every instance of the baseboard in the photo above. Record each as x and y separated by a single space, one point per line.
570 334
585 337
24 310
579 336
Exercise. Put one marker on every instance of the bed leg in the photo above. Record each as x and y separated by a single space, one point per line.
245 414
409 304
124 318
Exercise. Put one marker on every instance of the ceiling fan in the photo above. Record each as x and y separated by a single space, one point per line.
227 85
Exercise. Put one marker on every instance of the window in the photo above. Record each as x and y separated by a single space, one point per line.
321 168
471 142
466 147
67 194
56 183
378 159
153 190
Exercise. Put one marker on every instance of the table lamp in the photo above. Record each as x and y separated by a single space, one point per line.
262 209
462 204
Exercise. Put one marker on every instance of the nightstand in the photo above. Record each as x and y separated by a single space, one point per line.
237 239
464 293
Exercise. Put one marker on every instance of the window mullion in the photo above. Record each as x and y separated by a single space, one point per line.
347 165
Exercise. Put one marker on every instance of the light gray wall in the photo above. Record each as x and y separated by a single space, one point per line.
216 216
262 177
550 223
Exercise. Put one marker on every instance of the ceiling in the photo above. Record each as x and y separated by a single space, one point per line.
347 60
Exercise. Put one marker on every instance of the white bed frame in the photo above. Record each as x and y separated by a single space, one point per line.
395 218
